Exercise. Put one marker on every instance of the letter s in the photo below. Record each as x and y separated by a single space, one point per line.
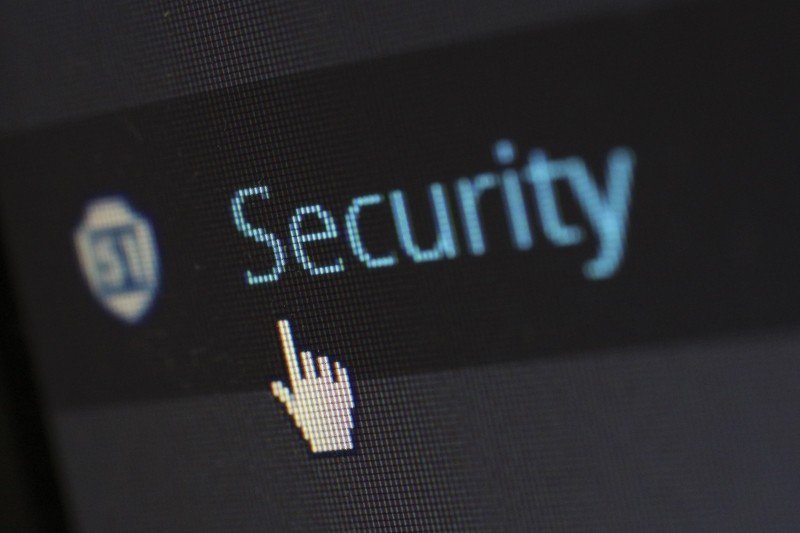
258 235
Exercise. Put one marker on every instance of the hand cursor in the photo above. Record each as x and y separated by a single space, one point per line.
320 402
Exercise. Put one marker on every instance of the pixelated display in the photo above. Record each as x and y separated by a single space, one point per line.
606 211
473 266
320 400
538 217
119 257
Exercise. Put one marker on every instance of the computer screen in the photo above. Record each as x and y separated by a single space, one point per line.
441 265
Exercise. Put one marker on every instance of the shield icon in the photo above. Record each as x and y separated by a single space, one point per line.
117 253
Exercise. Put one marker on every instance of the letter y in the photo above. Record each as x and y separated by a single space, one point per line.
607 213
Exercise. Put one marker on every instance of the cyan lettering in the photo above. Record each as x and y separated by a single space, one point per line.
354 233
470 191
605 205
299 239
505 153
445 245
607 212
258 235
542 174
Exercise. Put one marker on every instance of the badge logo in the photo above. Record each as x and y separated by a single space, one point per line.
118 255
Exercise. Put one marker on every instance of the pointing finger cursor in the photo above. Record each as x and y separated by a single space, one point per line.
321 407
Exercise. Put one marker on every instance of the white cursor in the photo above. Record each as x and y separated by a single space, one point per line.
320 401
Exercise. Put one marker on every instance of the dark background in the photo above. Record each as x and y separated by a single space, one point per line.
704 94
704 97
29 498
